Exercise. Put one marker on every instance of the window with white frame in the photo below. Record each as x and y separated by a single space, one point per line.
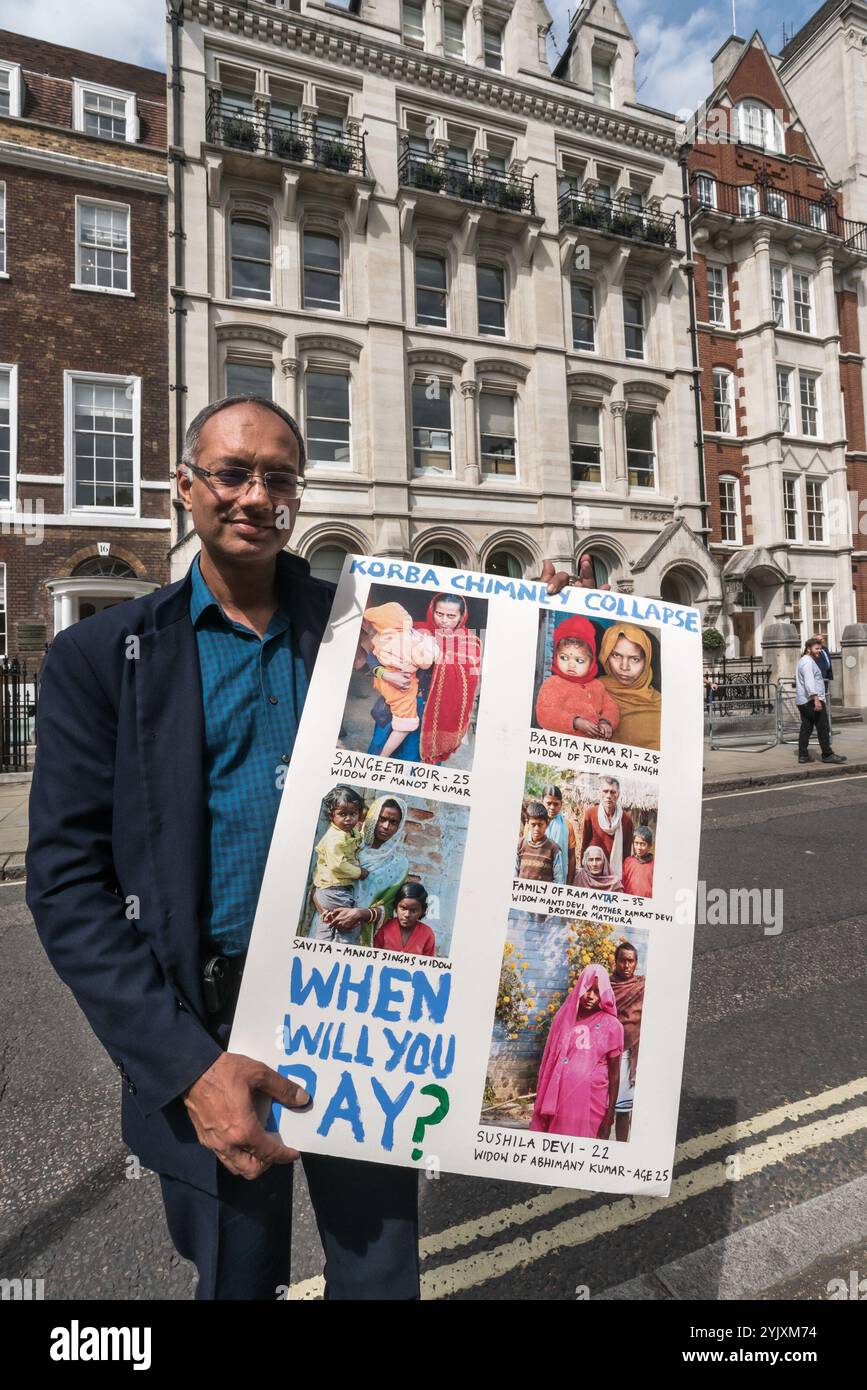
775 203
791 508
633 325
102 245
10 89
729 510
816 529
748 200
583 316
431 291
328 419
757 124
249 379
803 302
723 401
705 190
809 392
818 217
321 271
717 296
493 48
431 426
491 298
413 23
602 81
104 111
453 34
497 433
250 259
104 443
2 228
640 448
784 398
778 295
820 612
8 432
584 443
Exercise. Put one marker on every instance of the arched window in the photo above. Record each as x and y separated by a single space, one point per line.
105 568
321 271
435 556
758 125
327 562
504 564
250 259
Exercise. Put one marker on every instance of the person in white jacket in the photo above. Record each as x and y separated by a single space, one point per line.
812 705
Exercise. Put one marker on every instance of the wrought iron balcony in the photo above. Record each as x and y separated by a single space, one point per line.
764 199
588 211
290 141
434 174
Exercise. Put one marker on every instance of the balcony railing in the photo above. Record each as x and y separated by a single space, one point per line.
763 199
434 173
294 142
616 219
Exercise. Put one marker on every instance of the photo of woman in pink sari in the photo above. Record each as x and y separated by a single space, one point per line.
579 1077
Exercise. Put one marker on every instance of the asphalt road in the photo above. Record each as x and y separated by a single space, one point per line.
775 1048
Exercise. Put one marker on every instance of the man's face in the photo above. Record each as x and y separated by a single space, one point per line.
536 828
610 796
242 525
815 649
553 805
624 964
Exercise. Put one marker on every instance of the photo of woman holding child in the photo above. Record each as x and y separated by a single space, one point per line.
384 871
421 656
603 681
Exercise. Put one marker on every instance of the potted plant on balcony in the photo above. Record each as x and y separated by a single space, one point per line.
657 231
589 213
335 154
240 132
510 196
426 174
288 144
625 223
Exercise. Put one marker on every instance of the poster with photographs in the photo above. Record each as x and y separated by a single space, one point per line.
474 936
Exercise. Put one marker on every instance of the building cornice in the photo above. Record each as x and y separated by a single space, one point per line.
480 86
95 170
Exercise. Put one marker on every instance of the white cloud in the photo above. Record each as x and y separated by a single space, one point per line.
132 30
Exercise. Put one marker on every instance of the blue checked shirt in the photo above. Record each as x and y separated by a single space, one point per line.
253 692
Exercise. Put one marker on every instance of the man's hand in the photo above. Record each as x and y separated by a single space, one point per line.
557 580
221 1105
817 703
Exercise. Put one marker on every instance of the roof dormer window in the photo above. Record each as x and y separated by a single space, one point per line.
10 89
758 125
104 112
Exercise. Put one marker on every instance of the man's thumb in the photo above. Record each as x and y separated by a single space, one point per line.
281 1089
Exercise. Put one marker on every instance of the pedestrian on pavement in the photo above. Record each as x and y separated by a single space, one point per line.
812 704
164 729
827 669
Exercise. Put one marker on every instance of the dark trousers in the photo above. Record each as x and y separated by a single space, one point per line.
239 1240
812 718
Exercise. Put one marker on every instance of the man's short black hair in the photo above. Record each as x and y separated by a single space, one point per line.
193 436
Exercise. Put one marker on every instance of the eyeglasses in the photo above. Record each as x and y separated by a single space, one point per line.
281 486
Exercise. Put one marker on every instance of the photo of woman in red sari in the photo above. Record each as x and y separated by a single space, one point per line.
579 1077
406 931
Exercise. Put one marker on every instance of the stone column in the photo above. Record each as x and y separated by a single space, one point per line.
620 481
476 37
825 323
67 614
290 366
854 648
760 408
438 35
469 391
781 648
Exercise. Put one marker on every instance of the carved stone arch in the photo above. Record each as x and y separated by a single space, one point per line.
450 539
239 331
116 552
501 367
522 546
436 357
328 342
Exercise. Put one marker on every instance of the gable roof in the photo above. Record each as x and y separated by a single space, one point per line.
813 24
757 42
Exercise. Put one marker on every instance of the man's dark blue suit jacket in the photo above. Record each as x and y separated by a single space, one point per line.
117 861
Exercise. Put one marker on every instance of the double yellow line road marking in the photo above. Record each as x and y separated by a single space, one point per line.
463 1274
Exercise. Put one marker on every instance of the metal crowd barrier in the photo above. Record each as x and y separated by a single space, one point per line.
743 718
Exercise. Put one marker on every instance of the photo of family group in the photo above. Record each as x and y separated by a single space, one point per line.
598 679
588 829
567 1028
414 690
385 871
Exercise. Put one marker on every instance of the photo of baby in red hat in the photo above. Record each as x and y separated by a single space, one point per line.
572 700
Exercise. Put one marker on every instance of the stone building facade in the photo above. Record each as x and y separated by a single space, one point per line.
461 270
84 491
779 269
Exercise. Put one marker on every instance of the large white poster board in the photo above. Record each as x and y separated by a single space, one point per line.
474 936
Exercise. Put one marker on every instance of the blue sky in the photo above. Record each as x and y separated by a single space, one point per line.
675 37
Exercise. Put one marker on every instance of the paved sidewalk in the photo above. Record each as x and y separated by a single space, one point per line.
731 769
14 797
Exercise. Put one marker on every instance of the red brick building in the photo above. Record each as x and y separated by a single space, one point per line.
84 490
777 266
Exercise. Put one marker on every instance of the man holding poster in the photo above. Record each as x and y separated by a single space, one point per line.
165 728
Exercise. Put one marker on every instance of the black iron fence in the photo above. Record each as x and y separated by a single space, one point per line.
295 142
617 219
738 682
19 689
763 199
435 174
